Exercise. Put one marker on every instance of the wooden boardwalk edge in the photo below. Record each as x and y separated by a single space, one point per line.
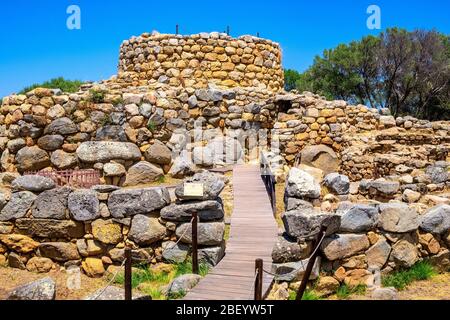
253 234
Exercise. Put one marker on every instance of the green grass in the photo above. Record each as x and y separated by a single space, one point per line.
344 291
97 96
158 279
161 179
310 295
69 86
422 270
106 120
186 268
144 275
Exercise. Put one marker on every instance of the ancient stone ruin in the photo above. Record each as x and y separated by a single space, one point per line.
183 104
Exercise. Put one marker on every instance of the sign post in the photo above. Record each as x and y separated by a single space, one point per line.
194 191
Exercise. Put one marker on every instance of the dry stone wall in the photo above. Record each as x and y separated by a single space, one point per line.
384 228
196 60
42 225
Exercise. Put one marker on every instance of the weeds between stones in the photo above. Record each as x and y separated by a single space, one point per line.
422 270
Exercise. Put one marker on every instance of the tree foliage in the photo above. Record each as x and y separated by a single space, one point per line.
69 86
407 72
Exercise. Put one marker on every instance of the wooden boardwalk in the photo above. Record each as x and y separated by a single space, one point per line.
253 235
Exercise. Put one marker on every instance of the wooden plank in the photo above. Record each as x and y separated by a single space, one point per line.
253 234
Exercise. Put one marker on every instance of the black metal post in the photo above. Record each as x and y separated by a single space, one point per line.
259 265
177 31
311 262
195 268
228 30
128 288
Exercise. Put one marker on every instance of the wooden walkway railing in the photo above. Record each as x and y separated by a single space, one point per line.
253 234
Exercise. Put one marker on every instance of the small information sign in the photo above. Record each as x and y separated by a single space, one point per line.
193 190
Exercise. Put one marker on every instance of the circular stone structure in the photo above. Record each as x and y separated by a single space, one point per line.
199 59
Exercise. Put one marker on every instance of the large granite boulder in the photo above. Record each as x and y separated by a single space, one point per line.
299 224
321 157
294 271
337 183
107 231
19 243
143 173
18 206
61 126
52 204
301 185
436 220
32 159
209 234
210 210
130 202
105 151
378 254
211 255
297 204
32 183
64 160
59 251
50 228
286 251
111 133
398 218
438 173
383 187
183 284
405 254
51 142
84 205
212 185
182 166
146 230
342 246
175 253
359 218
158 153
42 289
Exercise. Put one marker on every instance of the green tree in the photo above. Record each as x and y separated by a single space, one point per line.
290 79
407 72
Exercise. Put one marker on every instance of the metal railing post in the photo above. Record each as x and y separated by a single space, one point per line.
259 265
195 268
311 263
128 270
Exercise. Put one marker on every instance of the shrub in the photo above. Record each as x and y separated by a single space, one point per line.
64 85
97 96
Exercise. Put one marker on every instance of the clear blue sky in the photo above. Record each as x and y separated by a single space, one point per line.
36 45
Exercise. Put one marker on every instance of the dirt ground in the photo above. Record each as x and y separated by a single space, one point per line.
11 278
438 288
